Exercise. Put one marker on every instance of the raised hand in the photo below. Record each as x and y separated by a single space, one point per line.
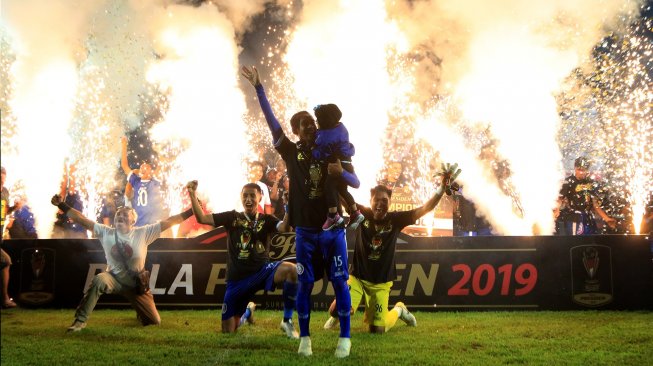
191 186
251 75
449 173
56 200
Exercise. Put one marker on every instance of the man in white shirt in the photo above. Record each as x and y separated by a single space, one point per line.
125 249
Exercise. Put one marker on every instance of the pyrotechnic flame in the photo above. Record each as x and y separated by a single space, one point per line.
203 121
333 61
434 67
42 104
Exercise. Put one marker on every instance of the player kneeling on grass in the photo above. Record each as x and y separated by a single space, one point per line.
373 267
125 249
248 262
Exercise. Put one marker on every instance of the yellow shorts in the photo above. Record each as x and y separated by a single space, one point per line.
376 297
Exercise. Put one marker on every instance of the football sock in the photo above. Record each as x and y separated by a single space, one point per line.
304 307
391 318
245 316
343 305
289 300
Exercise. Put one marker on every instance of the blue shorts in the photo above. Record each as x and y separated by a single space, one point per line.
239 292
318 250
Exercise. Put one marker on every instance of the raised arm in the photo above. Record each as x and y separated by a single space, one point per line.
449 174
73 214
275 127
284 225
175 220
124 163
201 217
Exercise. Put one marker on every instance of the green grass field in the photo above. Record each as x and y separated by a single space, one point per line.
192 337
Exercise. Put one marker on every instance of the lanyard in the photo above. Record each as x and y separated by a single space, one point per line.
250 220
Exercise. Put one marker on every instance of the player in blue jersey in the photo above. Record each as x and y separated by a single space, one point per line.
143 191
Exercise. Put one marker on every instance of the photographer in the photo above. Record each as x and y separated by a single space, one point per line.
125 249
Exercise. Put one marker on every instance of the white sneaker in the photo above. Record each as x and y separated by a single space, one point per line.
289 329
77 326
251 306
406 316
331 323
343 348
305 348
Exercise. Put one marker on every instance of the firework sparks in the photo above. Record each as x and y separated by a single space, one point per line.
203 117
431 77
610 106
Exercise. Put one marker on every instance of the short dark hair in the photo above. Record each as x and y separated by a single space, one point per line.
328 115
296 118
582 162
380 188
254 186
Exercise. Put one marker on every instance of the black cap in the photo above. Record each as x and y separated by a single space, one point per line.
328 115
582 162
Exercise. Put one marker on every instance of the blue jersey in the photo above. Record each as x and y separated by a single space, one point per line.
147 200
333 142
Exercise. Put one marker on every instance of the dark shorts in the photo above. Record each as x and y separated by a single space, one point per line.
240 292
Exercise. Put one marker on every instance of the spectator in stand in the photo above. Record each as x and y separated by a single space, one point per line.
5 259
21 225
143 191
273 179
580 199
256 170
64 227
393 176
110 204
278 207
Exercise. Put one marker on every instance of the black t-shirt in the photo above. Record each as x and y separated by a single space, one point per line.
374 250
580 194
248 247
307 204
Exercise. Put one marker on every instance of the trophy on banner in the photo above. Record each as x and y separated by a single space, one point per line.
38 264
591 264
37 286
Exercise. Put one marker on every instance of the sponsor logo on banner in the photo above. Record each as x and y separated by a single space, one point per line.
282 246
591 275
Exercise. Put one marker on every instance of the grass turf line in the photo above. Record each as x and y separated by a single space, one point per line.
192 337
